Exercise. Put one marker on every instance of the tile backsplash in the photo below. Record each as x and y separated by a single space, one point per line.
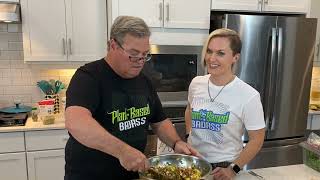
17 78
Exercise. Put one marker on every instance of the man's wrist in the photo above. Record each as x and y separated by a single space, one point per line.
235 168
175 143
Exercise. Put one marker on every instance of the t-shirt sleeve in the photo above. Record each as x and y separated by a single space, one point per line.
83 91
253 114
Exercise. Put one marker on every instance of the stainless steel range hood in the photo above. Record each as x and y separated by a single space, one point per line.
9 12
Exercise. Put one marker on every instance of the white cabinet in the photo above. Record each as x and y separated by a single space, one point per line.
166 13
9 1
46 165
12 156
294 6
13 166
286 5
245 5
172 22
45 154
61 30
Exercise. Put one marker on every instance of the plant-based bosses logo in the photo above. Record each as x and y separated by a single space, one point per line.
204 119
130 118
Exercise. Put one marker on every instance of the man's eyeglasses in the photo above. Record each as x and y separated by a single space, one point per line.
146 58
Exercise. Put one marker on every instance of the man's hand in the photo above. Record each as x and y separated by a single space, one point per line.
132 159
185 148
223 173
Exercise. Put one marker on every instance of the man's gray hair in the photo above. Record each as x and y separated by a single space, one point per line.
124 25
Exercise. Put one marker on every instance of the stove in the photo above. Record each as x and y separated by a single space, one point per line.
8 119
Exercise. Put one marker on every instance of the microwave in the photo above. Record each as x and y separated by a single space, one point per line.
171 69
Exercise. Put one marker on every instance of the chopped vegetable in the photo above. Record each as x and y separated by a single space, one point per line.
172 172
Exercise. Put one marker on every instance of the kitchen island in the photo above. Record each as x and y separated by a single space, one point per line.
39 142
292 172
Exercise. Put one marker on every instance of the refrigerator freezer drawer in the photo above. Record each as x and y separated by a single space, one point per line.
277 156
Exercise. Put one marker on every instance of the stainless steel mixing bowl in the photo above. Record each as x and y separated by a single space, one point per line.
180 160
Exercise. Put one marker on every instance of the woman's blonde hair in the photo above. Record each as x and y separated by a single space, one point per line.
231 35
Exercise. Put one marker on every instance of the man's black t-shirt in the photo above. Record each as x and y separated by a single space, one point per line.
124 107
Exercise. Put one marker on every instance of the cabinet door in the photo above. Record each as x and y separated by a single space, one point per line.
300 6
44 30
13 166
151 11
86 29
241 5
46 165
187 14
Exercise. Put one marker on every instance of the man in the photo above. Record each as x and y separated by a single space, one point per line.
110 106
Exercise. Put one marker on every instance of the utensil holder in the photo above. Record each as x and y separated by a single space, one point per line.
56 102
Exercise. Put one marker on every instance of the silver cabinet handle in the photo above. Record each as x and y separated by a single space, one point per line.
64 46
70 48
167 6
160 12
266 1
318 46
260 4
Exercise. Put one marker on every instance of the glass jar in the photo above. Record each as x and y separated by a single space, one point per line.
34 114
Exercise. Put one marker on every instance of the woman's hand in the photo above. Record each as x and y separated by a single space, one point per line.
223 173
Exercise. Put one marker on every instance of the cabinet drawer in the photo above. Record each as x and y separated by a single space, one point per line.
48 139
11 142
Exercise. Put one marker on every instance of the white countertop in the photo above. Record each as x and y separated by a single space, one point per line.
32 126
292 172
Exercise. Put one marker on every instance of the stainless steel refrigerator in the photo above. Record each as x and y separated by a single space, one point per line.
276 59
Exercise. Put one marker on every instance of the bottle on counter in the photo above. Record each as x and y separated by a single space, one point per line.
34 114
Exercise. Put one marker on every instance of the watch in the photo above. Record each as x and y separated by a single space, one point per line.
235 168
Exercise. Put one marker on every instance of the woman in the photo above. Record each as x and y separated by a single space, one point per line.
220 106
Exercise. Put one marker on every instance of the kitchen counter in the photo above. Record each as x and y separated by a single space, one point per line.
292 172
32 126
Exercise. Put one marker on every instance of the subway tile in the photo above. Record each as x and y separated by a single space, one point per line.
16 73
19 65
4 46
16 37
37 97
12 55
24 81
3 27
1 90
5 73
65 80
5 101
17 90
23 98
5 81
29 88
26 73
4 64
3 56
15 46
13 28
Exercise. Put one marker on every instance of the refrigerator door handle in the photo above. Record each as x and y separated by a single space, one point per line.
277 78
270 104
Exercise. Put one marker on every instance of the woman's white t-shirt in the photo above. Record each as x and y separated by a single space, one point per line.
218 126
